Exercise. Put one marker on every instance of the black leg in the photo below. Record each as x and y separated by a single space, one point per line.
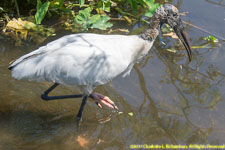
79 115
45 96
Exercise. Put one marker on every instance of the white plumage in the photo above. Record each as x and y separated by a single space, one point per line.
82 60
87 60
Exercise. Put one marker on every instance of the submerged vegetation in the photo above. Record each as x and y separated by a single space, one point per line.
33 19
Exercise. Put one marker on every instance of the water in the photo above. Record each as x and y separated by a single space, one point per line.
165 100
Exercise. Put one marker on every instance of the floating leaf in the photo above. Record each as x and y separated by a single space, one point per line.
171 34
131 114
166 28
163 43
41 11
183 13
26 30
201 46
171 50
211 39
20 24
181 67
82 141
120 112
106 119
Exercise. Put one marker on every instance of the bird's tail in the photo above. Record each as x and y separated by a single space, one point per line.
10 64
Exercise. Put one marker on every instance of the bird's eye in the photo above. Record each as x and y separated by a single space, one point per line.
175 14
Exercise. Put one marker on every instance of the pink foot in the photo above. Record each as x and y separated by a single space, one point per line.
99 98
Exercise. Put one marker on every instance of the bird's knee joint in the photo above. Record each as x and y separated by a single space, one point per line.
45 97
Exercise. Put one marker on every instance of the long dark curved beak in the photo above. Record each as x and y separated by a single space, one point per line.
183 36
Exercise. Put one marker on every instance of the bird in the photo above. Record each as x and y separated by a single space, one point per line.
87 60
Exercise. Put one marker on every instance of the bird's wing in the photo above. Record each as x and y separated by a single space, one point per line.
50 47
80 59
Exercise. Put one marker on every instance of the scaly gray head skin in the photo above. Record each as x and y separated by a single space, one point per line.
169 14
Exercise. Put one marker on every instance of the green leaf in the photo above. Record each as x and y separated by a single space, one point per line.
142 3
106 6
81 2
39 3
102 23
151 7
211 39
149 3
41 11
133 5
1 9
66 10
83 16
87 20
201 46
148 14
94 19
166 28
56 3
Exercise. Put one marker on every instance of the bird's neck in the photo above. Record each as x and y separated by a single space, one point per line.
152 31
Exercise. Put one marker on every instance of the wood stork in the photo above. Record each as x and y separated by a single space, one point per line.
87 60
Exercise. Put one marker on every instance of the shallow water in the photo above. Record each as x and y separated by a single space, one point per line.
165 100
